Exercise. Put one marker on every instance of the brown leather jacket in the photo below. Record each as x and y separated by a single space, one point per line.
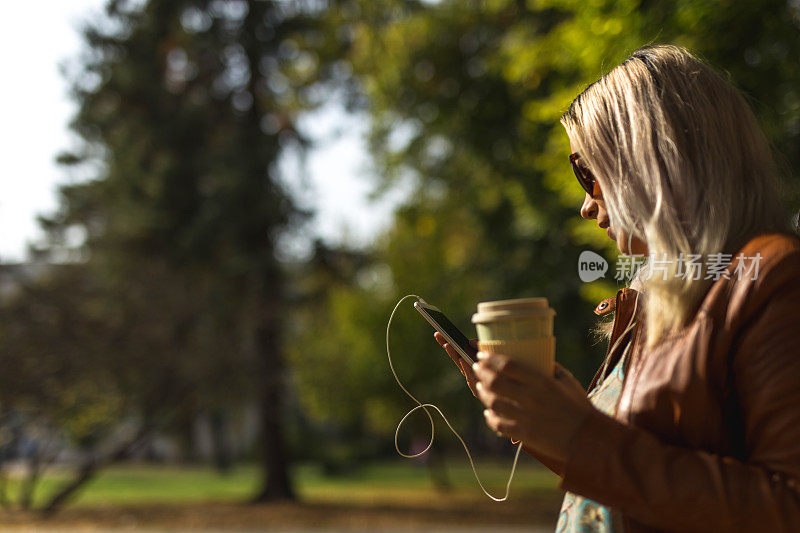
707 432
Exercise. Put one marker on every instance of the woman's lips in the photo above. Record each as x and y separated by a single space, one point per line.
610 233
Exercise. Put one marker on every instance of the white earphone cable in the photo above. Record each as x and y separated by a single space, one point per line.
424 407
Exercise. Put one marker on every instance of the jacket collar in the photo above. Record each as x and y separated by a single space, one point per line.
624 297
624 303
606 306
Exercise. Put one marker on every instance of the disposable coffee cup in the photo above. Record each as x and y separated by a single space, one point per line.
521 329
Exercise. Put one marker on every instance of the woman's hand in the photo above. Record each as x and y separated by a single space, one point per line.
460 363
542 411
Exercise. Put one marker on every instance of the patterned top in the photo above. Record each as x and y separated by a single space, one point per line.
579 514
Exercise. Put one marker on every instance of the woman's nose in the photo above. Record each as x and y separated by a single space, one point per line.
589 208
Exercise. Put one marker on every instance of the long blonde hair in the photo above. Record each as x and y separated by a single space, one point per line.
683 166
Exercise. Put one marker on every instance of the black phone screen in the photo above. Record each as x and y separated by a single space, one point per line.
451 330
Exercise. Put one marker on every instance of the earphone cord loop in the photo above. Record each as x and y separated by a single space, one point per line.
424 407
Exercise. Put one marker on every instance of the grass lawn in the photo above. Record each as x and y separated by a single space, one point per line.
385 496
374 483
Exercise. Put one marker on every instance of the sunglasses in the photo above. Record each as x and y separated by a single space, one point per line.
584 175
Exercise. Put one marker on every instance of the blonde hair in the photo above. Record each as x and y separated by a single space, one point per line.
682 164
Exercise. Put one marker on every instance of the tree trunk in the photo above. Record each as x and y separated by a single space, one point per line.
276 484
219 422
4 501
267 282
89 469
30 481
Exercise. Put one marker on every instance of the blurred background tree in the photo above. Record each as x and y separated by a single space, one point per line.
185 108
179 300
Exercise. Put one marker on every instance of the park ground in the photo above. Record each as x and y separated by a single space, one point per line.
392 496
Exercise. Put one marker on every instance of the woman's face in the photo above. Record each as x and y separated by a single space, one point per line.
594 207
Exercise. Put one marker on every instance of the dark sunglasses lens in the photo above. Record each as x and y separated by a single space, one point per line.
585 181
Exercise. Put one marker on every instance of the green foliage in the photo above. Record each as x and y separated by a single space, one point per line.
465 100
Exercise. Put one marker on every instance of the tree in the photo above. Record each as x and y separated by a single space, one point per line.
185 109
58 384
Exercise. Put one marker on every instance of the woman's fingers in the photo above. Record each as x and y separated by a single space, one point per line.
512 368
472 381
449 349
439 337
462 365
542 410
529 376
491 384
501 405
456 357
501 425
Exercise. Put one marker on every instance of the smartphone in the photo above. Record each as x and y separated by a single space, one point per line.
451 333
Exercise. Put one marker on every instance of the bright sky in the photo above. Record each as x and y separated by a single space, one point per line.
35 110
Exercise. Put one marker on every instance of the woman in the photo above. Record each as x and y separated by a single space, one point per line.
693 421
